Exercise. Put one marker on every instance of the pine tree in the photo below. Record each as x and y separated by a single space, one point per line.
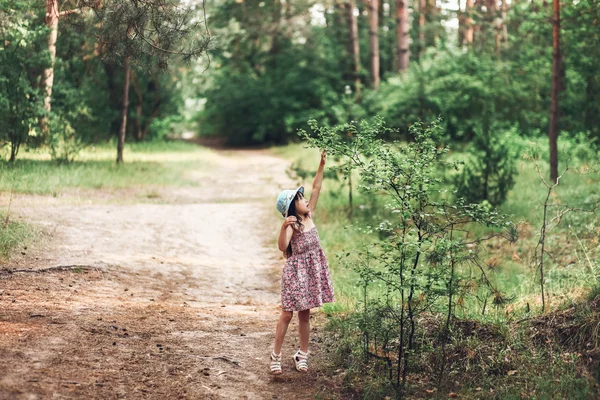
147 34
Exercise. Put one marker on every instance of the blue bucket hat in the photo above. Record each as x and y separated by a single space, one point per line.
285 198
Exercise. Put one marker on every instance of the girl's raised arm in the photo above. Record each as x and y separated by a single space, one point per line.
316 189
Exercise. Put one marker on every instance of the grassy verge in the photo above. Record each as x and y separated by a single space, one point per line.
14 234
156 163
534 360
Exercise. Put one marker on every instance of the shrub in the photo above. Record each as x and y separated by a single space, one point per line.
63 141
489 173
426 260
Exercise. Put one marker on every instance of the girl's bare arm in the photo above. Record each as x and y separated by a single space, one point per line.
317 183
286 232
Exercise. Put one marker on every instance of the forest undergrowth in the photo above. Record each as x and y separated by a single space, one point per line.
439 297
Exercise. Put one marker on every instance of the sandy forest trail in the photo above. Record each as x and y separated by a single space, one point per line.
173 295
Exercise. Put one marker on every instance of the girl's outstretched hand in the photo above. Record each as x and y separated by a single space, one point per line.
323 157
289 221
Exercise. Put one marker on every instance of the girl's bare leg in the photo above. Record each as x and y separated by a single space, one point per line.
282 325
304 329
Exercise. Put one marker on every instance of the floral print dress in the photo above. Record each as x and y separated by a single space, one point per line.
305 281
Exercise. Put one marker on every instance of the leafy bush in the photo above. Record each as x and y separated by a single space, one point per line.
490 172
160 128
21 100
64 143
467 89
426 260
247 108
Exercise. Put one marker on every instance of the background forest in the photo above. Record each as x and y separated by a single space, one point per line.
274 65
463 137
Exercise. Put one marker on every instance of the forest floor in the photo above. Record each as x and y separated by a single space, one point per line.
172 293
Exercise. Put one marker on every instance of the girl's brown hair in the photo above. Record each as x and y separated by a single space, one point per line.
298 227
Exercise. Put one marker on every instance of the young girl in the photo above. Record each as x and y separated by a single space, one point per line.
305 282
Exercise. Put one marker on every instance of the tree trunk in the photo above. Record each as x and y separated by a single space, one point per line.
402 34
422 19
124 108
276 30
373 6
553 131
154 114
480 23
47 81
153 86
433 18
350 206
14 148
139 132
461 25
498 38
504 10
592 108
497 24
469 22
354 48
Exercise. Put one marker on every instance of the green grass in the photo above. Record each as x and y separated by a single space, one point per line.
154 163
14 234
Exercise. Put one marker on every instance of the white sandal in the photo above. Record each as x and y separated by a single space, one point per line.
275 363
301 361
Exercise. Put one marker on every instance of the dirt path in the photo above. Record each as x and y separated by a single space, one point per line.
171 296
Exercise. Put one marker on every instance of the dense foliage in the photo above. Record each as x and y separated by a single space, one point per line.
267 84
427 260
88 77
20 61
274 65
